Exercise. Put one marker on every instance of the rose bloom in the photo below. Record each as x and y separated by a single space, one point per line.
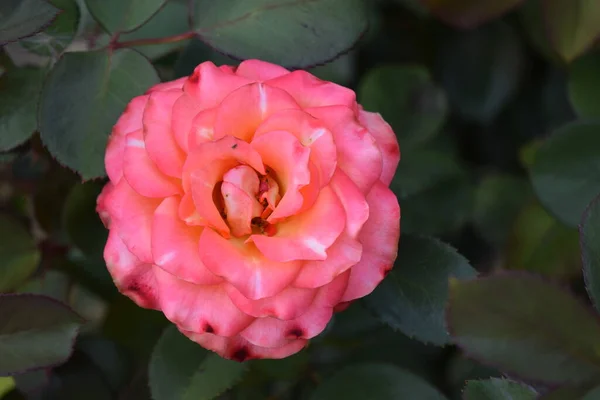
248 204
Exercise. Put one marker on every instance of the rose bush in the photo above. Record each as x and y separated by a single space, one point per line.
247 204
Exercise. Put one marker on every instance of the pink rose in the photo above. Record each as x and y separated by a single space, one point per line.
248 203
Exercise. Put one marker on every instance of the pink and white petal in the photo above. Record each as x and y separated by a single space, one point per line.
175 245
240 207
354 202
352 138
132 216
288 304
202 128
133 278
142 174
242 111
273 332
379 238
242 265
285 155
310 91
113 158
188 213
101 204
131 119
199 308
170 85
260 71
209 85
311 133
160 143
386 140
230 69
239 349
342 255
306 236
183 113
244 178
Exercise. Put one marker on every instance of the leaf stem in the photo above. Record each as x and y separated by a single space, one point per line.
150 41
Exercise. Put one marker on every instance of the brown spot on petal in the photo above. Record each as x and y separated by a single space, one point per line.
295 333
240 355
195 77
234 146
141 293
386 270
208 328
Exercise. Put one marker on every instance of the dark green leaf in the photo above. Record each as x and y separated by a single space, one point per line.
82 99
569 392
123 15
498 389
532 18
22 18
594 394
407 99
375 382
589 232
56 37
572 25
195 53
182 370
316 30
566 170
81 222
170 20
35 332
461 369
412 298
479 86
20 90
108 357
469 13
583 80
19 256
526 327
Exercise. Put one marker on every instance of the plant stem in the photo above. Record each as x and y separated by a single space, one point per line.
150 41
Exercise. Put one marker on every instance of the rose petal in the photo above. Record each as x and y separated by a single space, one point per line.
349 136
306 236
354 202
242 265
241 112
260 70
379 238
199 308
160 143
113 158
170 85
240 208
386 140
131 119
310 91
202 128
183 113
175 245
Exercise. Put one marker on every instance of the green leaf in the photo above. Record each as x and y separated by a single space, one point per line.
83 96
18 254
316 30
498 200
110 359
181 369
566 170
123 15
412 298
589 232
594 394
407 99
20 90
583 78
498 389
434 192
82 224
170 20
469 13
569 392
480 86
572 25
59 35
35 332
525 327
22 18
375 382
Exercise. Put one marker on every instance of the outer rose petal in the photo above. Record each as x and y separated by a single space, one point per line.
306 236
354 202
272 332
242 111
199 308
242 265
386 140
239 349
379 237
183 113
170 85
101 206
142 174
260 70
349 136
132 277
202 128
131 119
310 91
175 245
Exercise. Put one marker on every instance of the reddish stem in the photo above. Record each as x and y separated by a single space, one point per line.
150 41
